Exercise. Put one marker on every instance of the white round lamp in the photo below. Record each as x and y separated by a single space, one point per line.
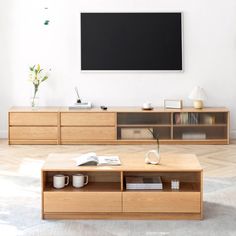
198 95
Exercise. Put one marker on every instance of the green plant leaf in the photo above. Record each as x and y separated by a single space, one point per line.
32 68
44 78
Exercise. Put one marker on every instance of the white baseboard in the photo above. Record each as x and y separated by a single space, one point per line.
4 134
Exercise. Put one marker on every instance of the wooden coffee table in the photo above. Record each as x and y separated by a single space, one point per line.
106 197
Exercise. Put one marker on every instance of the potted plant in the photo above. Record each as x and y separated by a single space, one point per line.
37 76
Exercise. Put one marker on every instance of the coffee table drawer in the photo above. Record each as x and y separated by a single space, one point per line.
88 119
88 133
82 202
175 202
33 133
33 119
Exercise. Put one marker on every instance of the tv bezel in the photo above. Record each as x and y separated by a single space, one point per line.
137 71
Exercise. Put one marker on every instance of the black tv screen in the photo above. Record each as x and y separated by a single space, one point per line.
131 41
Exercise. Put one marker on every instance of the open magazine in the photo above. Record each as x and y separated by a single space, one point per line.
91 159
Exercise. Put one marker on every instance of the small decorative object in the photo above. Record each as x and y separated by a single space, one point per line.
175 184
153 156
147 106
198 95
79 104
173 104
103 108
37 76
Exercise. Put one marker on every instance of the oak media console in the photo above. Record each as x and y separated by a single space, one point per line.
60 125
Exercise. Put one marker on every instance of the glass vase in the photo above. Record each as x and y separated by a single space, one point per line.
34 102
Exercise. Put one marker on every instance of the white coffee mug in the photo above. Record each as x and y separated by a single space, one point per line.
60 181
147 105
79 180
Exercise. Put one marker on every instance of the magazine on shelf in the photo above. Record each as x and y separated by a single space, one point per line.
91 159
137 182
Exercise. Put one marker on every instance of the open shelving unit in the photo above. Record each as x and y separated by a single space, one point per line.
106 195
195 126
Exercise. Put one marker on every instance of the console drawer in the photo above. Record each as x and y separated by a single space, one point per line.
33 119
33 133
88 133
175 202
82 202
88 119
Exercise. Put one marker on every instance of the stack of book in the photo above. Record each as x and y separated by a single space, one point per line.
186 118
136 182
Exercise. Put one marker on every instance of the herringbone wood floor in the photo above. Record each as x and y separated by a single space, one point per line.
217 160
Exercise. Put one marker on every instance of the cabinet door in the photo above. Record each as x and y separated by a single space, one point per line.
33 119
88 133
179 202
88 119
82 202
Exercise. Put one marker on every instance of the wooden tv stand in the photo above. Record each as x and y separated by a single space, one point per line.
124 125
106 196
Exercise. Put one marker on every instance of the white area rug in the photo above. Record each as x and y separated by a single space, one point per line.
20 202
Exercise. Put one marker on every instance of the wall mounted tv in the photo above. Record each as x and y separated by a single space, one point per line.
131 41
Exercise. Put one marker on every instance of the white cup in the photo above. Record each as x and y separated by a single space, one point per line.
79 180
60 181
147 105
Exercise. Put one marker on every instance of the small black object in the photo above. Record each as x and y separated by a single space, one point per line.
46 22
104 108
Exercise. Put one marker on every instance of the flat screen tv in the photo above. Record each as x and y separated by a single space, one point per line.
131 41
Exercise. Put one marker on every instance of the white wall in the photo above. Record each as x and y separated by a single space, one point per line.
209 55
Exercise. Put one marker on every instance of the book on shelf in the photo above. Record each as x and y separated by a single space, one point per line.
138 182
177 119
208 119
193 118
91 159
184 118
